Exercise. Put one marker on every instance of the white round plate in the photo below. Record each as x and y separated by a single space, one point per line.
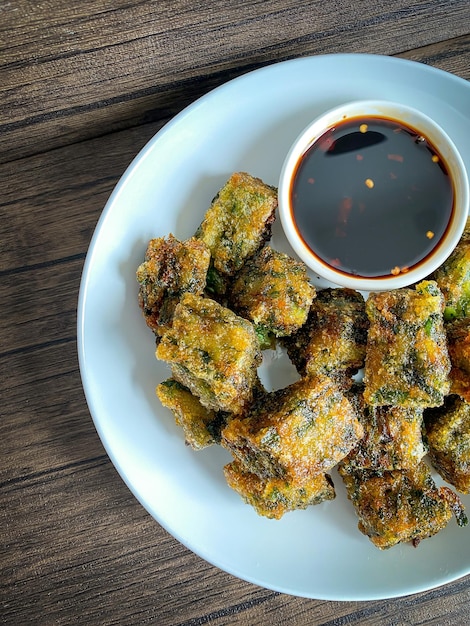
247 125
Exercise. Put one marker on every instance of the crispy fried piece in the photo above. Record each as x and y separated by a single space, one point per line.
407 362
453 278
333 340
170 268
401 505
448 432
213 352
274 292
273 497
458 343
201 426
393 437
295 432
237 224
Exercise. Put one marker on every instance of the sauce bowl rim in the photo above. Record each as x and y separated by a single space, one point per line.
408 116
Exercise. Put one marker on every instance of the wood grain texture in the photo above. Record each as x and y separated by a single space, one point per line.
83 86
97 67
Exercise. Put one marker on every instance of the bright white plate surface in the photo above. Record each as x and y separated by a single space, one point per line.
247 124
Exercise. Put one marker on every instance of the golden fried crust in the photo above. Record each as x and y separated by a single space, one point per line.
407 362
201 426
393 438
333 340
458 341
170 268
273 291
448 432
213 352
400 506
296 432
273 497
453 278
238 221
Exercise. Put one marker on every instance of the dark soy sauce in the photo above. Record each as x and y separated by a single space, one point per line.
371 197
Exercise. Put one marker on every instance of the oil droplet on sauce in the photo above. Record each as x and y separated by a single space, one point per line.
366 195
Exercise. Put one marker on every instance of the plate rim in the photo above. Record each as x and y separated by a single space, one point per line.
83 294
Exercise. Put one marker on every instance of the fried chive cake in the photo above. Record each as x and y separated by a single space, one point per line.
448 433
273 497
201 426
170 268
407 361
400 505
295 432
453 278
236 225
213 352
333 339
393 436
272 290
458 342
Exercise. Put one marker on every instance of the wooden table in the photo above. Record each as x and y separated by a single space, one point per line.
83 86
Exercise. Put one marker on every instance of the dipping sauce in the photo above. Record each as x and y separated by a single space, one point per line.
371 197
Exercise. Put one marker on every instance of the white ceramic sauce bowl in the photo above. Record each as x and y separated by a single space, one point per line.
403 116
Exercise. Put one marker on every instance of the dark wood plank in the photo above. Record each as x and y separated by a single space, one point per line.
70 73
39 306
61 567
451 56
50 203
45 422
58 563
